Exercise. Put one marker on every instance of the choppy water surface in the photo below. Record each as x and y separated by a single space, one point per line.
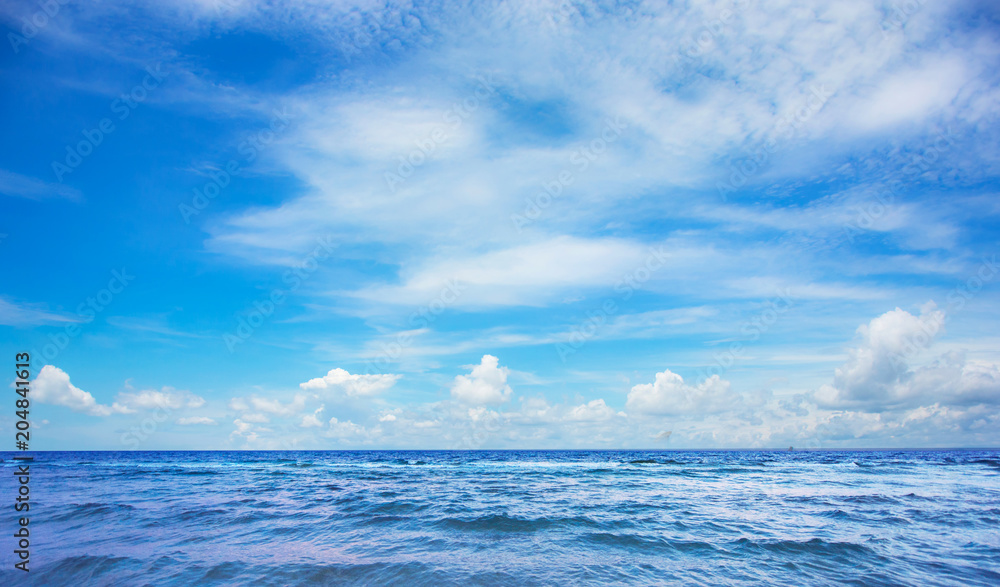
511 518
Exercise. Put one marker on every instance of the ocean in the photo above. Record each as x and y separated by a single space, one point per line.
508 518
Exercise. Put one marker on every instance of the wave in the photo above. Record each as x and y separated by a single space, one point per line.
645 543
82 511
483 518
814 546
507 523
117 570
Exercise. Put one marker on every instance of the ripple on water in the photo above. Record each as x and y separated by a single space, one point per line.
517 517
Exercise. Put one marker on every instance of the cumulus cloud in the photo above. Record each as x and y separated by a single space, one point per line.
486 384
349 431
351 384
592 411
52 386
872 375
669 395
245 430
878 375
312 420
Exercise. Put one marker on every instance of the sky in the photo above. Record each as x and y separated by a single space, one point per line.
501 225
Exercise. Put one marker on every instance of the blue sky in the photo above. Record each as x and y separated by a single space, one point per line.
502 224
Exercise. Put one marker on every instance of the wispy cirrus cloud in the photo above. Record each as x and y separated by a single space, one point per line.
22 186
24 315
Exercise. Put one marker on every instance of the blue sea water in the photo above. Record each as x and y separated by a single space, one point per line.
509 518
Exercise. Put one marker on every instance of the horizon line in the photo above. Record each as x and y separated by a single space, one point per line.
790 449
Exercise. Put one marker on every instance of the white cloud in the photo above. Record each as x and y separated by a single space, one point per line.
381 128
531 274
481 413
245 430
669 395
52 386
872 374
196 420
486 384
878 375
269 405
22 186
351 432
684 130
166 398
239 404
12 314
592 411
312 420
352 384
910 96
